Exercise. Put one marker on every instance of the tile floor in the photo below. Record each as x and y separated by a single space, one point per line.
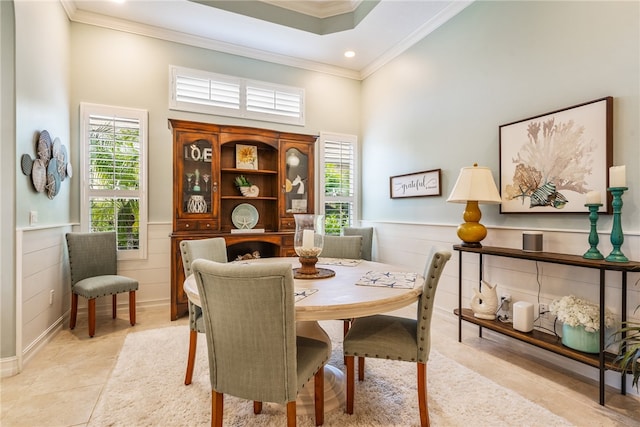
61 384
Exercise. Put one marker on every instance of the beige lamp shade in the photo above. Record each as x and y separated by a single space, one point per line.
475 183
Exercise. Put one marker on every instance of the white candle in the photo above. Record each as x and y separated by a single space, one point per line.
307 239
618 176
593 198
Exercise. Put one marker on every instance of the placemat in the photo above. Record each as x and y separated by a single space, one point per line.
388 279
347 262
300 293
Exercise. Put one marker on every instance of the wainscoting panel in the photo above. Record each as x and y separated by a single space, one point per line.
42 273
43 266
408 244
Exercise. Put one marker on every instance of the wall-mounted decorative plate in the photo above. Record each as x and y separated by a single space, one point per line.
26 163
44 146
39 175
53 179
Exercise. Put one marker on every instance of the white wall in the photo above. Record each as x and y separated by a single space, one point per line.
41 89
116 68
7 180
439 105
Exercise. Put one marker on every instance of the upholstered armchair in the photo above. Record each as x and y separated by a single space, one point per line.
214 249
253 350
94 273
398 338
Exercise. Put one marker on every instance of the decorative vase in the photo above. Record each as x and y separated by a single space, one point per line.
577 338
308 241
196 204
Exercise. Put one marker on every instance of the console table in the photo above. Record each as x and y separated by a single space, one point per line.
603 360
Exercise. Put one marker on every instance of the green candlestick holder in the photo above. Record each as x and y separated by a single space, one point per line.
617 237
593 252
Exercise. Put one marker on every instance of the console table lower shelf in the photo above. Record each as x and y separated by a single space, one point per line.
540 339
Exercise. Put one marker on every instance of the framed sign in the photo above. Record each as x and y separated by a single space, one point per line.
549 163
418 184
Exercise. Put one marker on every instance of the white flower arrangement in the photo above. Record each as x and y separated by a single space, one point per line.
576 311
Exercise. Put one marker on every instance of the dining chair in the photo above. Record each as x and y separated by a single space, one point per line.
341 247
94 273
349 247
253 350
213 249
367 239
398 338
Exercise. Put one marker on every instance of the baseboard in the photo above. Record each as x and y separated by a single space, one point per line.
8 366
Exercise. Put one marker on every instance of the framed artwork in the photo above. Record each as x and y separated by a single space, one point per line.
418 184
246 157
549 163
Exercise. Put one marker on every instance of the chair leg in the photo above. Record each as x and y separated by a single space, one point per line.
318 396
360 368
345 328
350 383
132 307
92 316
422 395
257 407
74 311
191 357
114 302
217 407
291 414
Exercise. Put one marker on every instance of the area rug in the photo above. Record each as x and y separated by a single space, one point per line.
146 389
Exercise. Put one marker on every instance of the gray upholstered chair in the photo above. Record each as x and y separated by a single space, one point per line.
341 247
349 247
250 325
367 239
94 273
398 338
213 249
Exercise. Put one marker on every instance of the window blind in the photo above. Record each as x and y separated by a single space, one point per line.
338 165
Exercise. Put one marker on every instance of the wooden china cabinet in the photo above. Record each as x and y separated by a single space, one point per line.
207 202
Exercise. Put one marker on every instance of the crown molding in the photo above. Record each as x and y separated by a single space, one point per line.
317 9
90 18
447 13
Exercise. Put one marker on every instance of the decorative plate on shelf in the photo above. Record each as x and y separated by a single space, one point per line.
245 216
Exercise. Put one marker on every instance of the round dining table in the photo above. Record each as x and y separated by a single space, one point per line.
350 293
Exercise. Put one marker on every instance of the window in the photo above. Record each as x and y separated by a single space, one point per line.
211 93
114 163
338 178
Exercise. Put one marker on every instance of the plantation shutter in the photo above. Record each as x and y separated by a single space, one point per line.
339 181
212 93
114 144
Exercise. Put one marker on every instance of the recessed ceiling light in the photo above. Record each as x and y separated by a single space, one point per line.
349 54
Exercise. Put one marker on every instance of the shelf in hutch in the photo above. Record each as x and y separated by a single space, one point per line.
205 194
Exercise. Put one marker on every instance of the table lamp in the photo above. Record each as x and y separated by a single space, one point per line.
474 185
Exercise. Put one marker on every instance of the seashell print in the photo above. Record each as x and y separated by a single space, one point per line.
546 195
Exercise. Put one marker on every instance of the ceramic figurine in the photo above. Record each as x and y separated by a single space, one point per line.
485 304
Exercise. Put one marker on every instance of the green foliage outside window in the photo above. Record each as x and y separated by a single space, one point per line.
337 183
114 163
